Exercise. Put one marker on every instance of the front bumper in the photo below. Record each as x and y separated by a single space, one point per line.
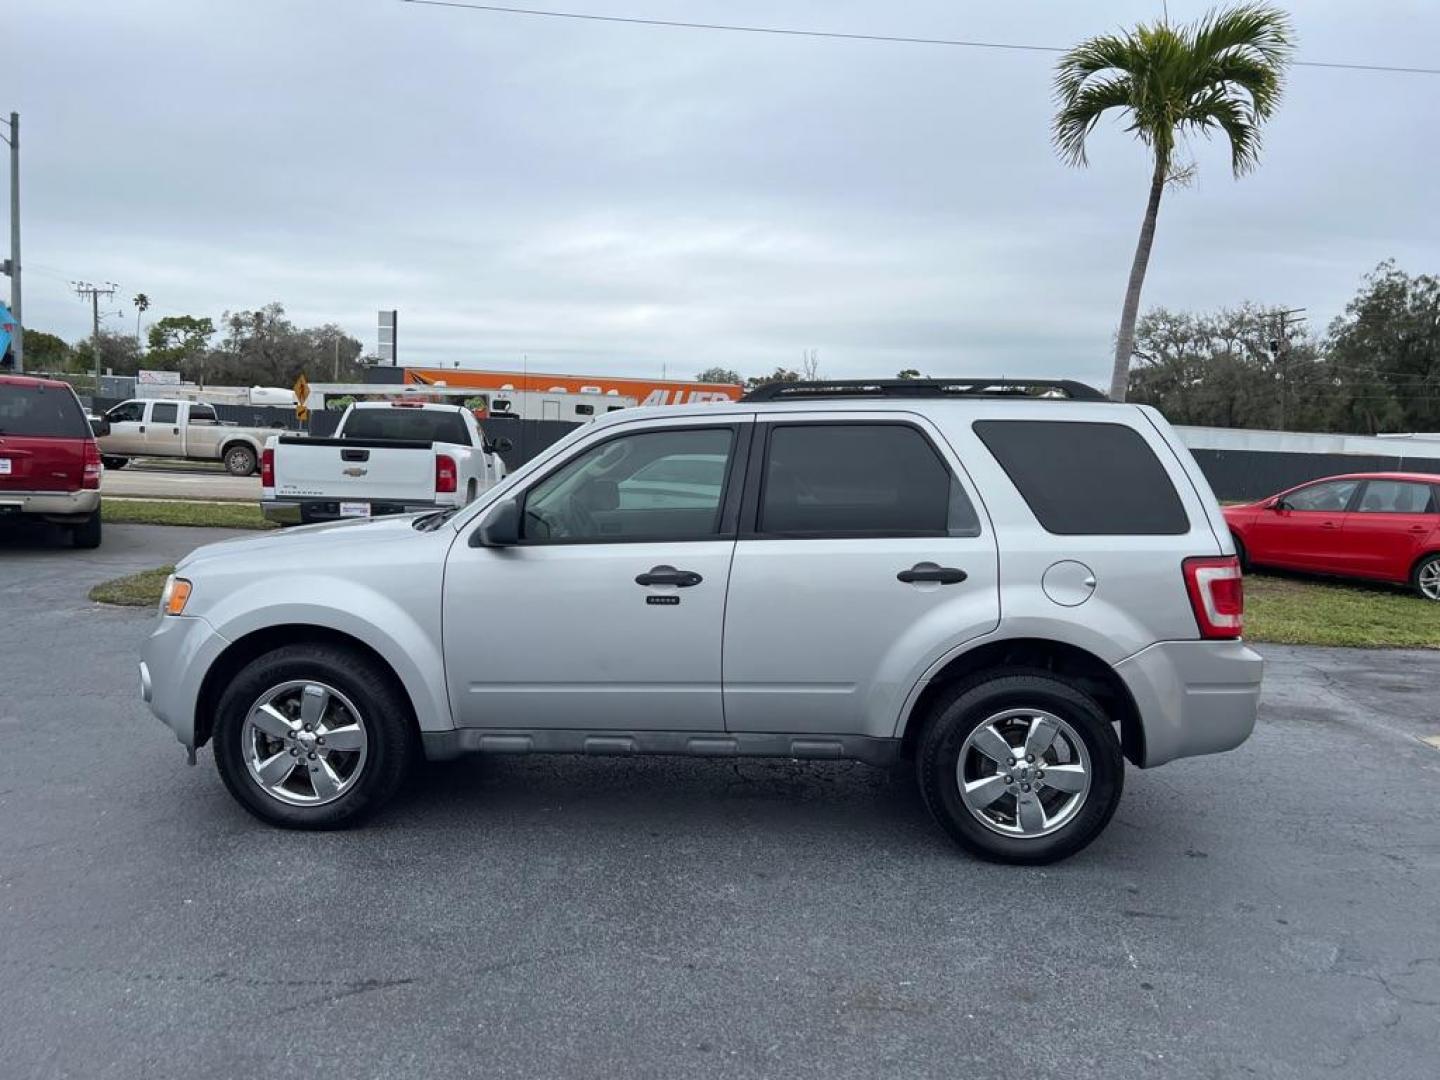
59 506
1194 697
173 663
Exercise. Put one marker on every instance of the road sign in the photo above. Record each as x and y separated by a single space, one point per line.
302 394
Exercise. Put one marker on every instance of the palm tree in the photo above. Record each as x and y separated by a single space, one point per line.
1225 72
142 304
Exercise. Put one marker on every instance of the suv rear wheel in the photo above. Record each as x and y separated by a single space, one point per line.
1019 766
313 737
87 533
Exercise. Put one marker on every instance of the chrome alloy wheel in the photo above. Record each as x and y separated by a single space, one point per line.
1023 773
304 743
1429 580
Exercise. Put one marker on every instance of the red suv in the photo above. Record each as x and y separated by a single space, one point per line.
49 462
1382 526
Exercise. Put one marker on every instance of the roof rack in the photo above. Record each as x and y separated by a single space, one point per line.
926 388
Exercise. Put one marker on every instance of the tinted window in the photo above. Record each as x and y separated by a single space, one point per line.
1330 497
41 410
1086 479
657 485
164 412
202 414
407 423
859 480
584 410
127 412
1396 497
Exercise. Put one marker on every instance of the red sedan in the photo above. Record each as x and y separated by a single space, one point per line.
1382 526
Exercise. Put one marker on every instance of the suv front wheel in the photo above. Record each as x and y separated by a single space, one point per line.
313 737
1019 766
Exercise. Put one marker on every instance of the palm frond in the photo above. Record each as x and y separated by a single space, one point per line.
1081 111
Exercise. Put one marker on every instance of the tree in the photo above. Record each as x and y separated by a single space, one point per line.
909 373
780 374
719 375
142 305
1383 354
264 347
1223 73
45 352
119 354
178 343
810 365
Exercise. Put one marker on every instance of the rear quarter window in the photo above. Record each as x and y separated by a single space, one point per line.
1086 479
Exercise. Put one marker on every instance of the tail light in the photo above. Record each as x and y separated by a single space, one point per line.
445 474
1217 595
91 476
267 467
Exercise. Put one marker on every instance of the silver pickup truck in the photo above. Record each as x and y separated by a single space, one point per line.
144 427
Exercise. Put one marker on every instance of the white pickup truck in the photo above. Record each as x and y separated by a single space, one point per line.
146 427
386 457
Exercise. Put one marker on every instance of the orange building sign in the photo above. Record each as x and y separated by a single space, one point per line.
644 391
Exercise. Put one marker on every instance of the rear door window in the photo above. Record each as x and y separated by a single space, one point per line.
41 411
1086 479
164 412
1396 497
859 479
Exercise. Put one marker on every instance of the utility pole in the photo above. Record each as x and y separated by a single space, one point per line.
12 264
1280 347
84 289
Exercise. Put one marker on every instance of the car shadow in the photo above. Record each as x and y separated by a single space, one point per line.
26 535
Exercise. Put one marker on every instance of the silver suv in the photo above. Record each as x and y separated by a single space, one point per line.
1015 586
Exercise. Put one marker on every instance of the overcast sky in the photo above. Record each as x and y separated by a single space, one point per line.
605 198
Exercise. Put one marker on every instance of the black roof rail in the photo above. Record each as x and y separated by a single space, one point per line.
925 388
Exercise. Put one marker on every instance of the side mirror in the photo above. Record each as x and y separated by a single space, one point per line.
501 527
100 428
501 445
1277 504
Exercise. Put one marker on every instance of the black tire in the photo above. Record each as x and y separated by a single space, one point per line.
1428 563
114 462
87 533
239 460
974 701
1240 553
392 742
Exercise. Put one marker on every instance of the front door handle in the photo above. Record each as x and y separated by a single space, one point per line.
928 571
142 429
668 575
1328 525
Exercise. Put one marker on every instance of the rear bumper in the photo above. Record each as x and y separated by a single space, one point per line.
310 511
61 506
1194 697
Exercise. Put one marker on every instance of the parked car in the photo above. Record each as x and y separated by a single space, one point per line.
386 457
148 427
1015 592
1378 526
49 462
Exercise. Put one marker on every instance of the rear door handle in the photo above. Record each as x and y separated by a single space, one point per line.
668 575
929 571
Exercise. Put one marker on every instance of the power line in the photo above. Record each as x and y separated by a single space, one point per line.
834 35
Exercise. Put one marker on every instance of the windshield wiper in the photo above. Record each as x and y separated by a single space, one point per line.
433 520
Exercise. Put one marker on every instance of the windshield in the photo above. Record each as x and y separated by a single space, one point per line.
41 410
399 422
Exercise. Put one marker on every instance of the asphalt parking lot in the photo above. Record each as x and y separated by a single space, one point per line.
1271 912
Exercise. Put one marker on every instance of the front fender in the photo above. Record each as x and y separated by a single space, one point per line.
406 635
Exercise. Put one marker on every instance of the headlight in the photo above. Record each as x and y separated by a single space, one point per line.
175 596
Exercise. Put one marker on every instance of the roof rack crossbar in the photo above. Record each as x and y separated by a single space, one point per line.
964 387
